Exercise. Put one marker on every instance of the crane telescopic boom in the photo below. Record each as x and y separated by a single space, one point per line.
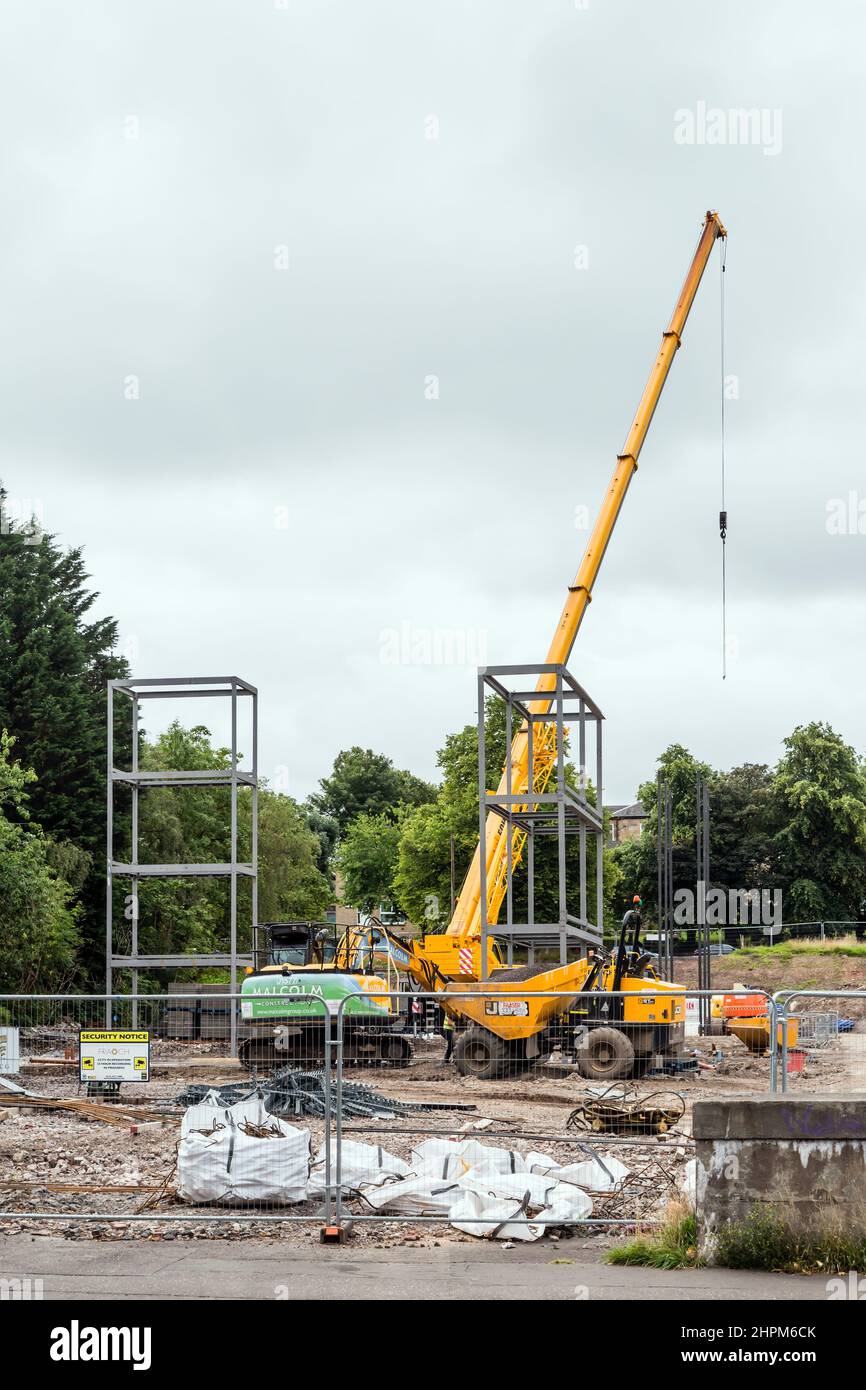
466 921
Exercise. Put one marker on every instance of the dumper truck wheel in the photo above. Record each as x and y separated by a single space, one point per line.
481 1054
605 1054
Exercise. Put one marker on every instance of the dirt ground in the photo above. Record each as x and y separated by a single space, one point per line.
812 971
58 1162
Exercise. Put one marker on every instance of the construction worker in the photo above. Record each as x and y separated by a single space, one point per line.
448 1035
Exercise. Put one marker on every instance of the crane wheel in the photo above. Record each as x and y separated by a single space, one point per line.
481 1054
606 1054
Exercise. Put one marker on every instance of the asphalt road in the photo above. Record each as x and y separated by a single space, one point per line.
192 1269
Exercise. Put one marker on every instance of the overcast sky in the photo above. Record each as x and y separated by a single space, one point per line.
241 240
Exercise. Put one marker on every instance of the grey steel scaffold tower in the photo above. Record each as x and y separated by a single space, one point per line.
552 809
174 688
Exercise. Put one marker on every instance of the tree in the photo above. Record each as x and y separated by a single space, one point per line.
679 768
366 783
742 853
184 825
39 929
422 872
54 665
327 832
422 875
291 885
637 859
801 828
819 802
192 824
365 862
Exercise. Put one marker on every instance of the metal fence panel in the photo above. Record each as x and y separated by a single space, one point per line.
580 1136
821 1041
204 1139
389 1134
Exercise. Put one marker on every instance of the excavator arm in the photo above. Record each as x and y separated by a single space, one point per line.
466 921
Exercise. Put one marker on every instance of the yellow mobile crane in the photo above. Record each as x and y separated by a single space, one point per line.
610 1037
499 1038
466 922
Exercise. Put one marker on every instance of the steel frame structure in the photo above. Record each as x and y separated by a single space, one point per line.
702 871
137 690
665 870
561 812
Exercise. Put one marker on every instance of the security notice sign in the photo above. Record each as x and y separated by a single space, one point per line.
113 1055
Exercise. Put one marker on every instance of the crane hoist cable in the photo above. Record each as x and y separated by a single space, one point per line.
723 515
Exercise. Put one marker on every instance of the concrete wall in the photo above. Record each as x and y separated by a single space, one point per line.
801 1156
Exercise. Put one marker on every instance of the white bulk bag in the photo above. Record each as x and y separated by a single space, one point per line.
420 1194
226 1165
491 1182
209 1112
541 1163
689 1183
596 1174
360 1164
567 1203
493 1219
455 1156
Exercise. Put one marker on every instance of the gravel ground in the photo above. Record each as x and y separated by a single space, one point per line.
530 1110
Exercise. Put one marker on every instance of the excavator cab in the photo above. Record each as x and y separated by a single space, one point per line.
295 944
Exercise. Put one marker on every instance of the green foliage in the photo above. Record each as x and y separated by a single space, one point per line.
674 1246
327 832
422 879
768 1239
54 664
800 828
637 858
741 852
366 783
192 825
291 885
422 875
39 932
679 768
787 951
182 825
366 860
819 799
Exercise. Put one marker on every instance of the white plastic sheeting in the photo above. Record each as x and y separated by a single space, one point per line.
369 1164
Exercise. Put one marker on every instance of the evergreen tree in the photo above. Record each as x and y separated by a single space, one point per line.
54 665
38 920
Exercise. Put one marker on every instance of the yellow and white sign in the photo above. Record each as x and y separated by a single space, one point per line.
113 1055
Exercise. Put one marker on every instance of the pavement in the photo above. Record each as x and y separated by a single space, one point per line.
208 1269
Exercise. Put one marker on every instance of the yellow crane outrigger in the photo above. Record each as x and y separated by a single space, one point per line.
617 1035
